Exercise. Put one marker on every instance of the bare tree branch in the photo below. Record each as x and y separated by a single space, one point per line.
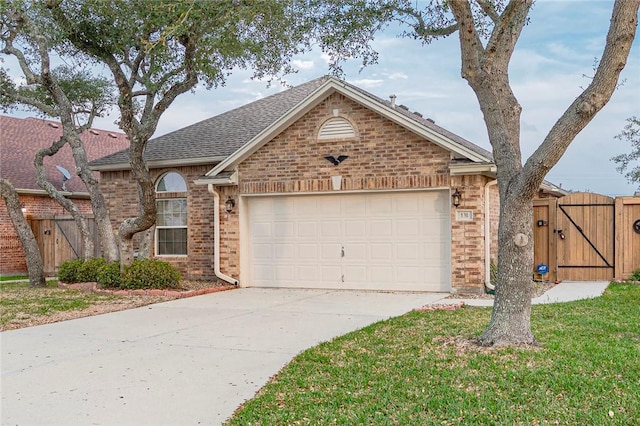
624 22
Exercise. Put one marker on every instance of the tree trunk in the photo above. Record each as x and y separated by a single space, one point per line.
146 243
146 198
108 243
35 265
511 315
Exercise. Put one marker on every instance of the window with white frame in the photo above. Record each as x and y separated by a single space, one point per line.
171 220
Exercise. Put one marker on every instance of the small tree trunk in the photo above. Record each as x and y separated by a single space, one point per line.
146 243
108 243
35 266
511 315
147 202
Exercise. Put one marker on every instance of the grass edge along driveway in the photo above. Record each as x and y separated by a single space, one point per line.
421 369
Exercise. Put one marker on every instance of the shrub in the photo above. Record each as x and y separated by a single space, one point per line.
635 276
150 274
68 270
88 271
109 275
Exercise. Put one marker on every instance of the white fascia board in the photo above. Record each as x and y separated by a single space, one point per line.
489 169
218 181
160 164
267 134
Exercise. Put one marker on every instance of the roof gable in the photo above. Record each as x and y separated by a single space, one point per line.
22 138
229 138
411 121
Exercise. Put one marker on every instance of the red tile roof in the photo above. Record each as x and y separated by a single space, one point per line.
21 138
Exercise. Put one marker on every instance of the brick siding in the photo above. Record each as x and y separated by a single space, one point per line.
121 194
382 156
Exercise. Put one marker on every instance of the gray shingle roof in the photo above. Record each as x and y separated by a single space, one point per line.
427 123
224 134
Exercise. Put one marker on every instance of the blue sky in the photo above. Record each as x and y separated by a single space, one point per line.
556 52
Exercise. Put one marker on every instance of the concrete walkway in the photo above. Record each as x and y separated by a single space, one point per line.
566 291
185 362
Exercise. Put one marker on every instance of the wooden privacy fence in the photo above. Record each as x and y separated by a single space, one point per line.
59 239
587 237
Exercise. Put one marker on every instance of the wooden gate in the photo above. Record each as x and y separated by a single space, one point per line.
59 239
627 236
586 237
585 233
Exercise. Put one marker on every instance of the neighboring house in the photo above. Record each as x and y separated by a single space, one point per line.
320 186
20 139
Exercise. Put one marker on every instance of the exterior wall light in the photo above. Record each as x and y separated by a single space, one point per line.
229 204
23 208
456 197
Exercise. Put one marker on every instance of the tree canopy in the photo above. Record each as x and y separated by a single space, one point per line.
628 164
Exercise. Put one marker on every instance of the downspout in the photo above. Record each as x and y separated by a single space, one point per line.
216 238
487 237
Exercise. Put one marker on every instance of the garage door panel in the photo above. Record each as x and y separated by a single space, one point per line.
307 251
354 206
380 205
355 229
378 228
381 251
408 206
392 241
330 230
409 274
285 273
306 229
261 229
282 251
308 273
407 251
356 252
262 252
331 273
283 230
406 228
264 272
331 252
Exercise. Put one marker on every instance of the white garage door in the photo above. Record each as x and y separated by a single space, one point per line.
381 241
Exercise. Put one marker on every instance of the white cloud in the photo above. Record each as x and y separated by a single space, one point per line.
366 83
398 75
303 65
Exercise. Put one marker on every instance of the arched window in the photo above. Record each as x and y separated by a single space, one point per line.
336 128
171 220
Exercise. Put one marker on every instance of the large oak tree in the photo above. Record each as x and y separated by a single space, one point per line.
488 32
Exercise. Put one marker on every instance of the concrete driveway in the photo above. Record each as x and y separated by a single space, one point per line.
185 362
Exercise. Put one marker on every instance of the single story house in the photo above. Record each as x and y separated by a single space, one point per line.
20 140
323 185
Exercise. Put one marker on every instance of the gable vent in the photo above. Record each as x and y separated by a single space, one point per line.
336 128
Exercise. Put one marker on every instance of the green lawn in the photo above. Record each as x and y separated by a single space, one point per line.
22 306
13 277
421 369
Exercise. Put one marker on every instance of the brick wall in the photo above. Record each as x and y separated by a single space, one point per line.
12 260
382 156
121 194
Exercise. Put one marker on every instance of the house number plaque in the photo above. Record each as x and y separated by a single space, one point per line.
464 215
